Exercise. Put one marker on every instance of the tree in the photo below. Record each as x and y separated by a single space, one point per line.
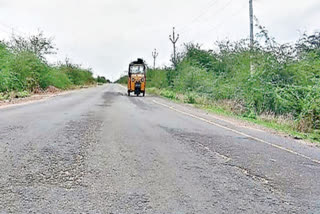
309 43
37 44
102 79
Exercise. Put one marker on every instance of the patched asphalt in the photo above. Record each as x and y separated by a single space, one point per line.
99 151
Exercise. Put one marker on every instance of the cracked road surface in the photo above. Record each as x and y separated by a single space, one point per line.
99 151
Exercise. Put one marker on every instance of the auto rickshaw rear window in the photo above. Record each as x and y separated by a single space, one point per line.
137 69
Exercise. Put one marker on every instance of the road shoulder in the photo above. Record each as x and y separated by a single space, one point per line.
36 98
255 132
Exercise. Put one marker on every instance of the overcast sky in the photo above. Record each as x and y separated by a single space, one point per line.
107 34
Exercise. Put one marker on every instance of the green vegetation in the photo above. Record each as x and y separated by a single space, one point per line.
102 80
281 90
24 69
123 80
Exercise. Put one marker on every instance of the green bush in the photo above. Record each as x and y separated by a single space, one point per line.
168 94
123 80
157 78
22 94
77 75
102 80
284 80
5 75
55 77
190 98
23 70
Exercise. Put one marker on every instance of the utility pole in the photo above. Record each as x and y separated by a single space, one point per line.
155 54
251 23
251 34
174 40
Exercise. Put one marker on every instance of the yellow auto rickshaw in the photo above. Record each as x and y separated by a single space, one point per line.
137 77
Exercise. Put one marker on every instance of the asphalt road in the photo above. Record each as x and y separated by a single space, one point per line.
99 151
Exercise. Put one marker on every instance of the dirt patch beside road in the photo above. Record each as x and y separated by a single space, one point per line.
31 99
36 97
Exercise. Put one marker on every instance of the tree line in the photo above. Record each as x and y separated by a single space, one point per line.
24 67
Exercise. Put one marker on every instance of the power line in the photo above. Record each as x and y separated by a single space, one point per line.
220 10
222 22
195 19
13 30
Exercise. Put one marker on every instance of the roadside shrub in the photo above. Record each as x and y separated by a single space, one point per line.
102 80
190 98
22 94
23 67
157 78
284 79
5 76
55 77
168 94
19 71
2 96
123 80
77 75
